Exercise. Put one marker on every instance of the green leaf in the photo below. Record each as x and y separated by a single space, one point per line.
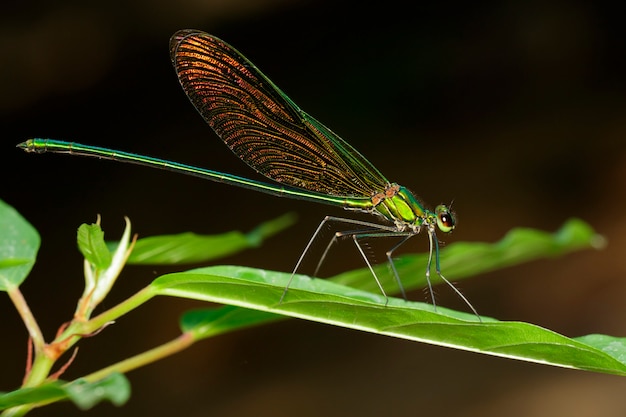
114 388
613 346
466 259
19 243
91 244
100 280
193 248
328 302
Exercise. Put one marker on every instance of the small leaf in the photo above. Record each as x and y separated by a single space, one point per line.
194 248
114 388
98 284
91 244
19 243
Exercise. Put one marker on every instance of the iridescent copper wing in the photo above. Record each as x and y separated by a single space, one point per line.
262 126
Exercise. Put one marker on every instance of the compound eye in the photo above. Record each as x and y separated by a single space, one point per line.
445 219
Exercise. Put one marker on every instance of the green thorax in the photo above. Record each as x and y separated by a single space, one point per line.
400 206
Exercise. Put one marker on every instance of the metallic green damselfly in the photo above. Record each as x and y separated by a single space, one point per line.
270 133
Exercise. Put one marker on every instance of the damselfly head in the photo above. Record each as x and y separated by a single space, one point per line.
445 218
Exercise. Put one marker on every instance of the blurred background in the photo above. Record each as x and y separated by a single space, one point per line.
514 110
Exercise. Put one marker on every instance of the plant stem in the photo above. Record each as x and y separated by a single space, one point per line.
27 316
37 371
180 343
119 310
46 356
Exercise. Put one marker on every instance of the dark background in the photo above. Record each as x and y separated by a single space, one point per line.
514 110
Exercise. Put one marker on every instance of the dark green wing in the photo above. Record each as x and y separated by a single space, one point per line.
262 126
